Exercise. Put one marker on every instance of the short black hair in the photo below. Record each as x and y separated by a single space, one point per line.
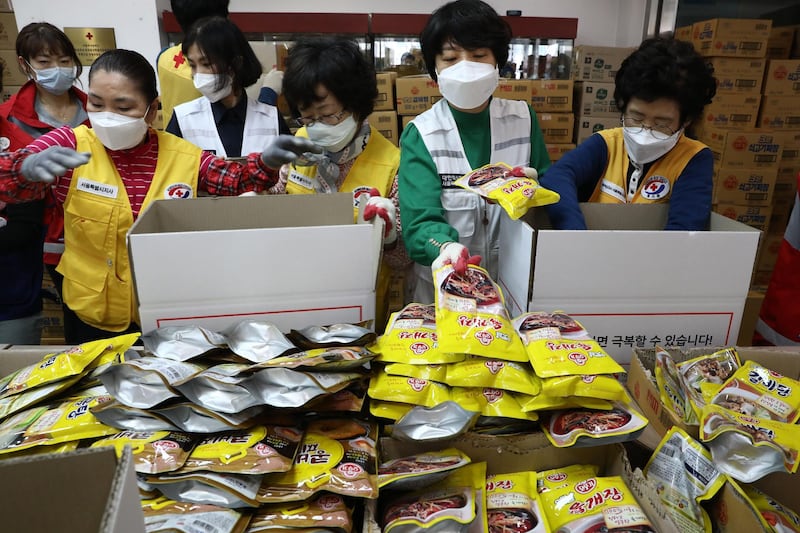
339 65
470 24
130 64
187 12
664 67
226 49
38 37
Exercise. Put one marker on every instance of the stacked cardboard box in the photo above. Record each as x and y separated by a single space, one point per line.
13 78
725 37
553 101
779 45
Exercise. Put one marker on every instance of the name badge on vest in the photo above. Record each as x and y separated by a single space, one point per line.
655 188
97 188
301 180
612 189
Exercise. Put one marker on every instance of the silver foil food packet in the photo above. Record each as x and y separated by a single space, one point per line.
443 421
196 419
181 343
121 416
258 341
282 387
334 335
148 381
220 388
226 490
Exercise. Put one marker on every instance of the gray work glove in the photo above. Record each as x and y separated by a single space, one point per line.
287 148
50 163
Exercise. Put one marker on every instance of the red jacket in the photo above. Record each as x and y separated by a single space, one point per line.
779 320
21 106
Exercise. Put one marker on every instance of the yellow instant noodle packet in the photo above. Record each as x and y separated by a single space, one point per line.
776 516
162 515
602 387
544 402
390 410
762 393
436 373
746 447
494 373
592 427
336 358
411 338
62 365
512 504
328 511
671 390
153 452
595 504
559 478
46 425
510 187
684 474
491 402
402 389
418 471
703 376
471 316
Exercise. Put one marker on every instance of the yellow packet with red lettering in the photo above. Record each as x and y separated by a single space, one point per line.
545 402
491 402
510 187
775 516
512 504
390 410
411 338
592 427
493 373
162 515
403 389
153 452
471 316
558 478
703 376
436 373
762 393
603 387
594 504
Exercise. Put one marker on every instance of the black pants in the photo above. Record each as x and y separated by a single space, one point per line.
76 331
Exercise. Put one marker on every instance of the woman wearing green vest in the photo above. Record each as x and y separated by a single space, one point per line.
104 176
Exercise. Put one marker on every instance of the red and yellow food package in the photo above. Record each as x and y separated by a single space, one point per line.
471 316
153 452
512 504
603 387
778 517
411 338
493 373
162 515
757 391
421 470
402 389
558 478
328 511
592 427
544 402
437 373
491 402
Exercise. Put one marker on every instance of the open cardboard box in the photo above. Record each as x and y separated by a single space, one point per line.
626 280
504 454
84 491
292 260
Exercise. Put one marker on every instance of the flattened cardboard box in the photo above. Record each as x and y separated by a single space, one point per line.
621 298
293 260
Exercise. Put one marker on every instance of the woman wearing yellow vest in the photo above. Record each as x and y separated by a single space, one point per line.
105 176
332 87
660 89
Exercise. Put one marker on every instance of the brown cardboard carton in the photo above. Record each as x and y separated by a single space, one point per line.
751 308
406 119
385 100
754 216
556 127
598 63
556 151
743 149
684 33
5 5
595 99
737 74
8 90
779 112
732 37
386 123
416 94
553 96
12 75
782 78
8 31
790 156
779 45
768 252
730 110
588 125
745 186
514 90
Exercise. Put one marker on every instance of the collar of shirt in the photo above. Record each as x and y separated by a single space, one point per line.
235 113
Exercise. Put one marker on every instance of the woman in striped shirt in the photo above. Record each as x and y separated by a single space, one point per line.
104 176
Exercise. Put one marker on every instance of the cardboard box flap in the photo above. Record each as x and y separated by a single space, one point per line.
88 490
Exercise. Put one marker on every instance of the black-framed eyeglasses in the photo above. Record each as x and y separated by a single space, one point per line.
658 131
330 120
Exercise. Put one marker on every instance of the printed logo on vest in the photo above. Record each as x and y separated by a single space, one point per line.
655 188
97 188
178 191
360 193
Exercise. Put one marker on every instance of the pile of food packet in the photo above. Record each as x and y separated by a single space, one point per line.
745 414
463 364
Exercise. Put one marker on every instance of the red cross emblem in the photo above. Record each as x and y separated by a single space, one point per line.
179 59
89 36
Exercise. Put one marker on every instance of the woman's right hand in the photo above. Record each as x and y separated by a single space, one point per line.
52 162
287 148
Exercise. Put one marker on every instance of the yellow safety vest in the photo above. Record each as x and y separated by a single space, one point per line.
656 186
97 217
175 79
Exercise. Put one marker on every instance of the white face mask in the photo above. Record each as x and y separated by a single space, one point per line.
333 138
55 80
643 148
468 84
207 85
118 132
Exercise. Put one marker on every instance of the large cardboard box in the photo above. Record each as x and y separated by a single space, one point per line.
554 96
586 125
744 149
732 111
744 186
514 90
790 156
738 75
782 78
732 37
6 5
386 123
8 31
556 127
779 45
598 63
768 251
557 151
595 99
416 94
606 278
684 33
752 306
292 260
779 112
7 91
385 100
12 75
754 216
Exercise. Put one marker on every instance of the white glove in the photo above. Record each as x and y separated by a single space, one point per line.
287 148
50 163
456 254
273 80
384 208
